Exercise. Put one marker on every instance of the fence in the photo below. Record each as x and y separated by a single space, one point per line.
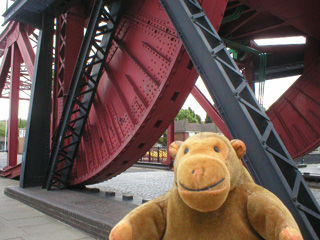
155 155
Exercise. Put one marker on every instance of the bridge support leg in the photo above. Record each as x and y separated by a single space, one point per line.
37 141
170 139
14 106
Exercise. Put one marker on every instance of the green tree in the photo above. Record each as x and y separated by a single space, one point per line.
208 119
188 114
183 114
22 123
199 120
163 139
2 128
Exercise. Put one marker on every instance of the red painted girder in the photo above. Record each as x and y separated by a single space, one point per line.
15 33
170 139
302 14
17 48
69 35
296 114
147 79
11 172
11 33
215 10
4 68
20 98
211 111
26 50
14 106
4 36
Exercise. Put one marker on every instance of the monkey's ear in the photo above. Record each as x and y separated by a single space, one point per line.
239 147
174 147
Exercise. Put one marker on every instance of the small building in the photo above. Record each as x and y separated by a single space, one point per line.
183 129
22 134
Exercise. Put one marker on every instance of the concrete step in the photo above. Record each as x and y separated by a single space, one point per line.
89 211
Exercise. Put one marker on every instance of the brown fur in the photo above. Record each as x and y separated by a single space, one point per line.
213 197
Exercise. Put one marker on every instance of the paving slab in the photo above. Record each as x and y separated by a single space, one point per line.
93 213
21 222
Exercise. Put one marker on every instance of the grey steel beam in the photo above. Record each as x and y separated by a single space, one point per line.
36 152
59 7
21 11
88 71
267 158
14 10
31 18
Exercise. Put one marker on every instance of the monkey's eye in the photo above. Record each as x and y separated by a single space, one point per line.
216 149
186 150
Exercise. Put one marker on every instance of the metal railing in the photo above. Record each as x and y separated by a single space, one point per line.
155 155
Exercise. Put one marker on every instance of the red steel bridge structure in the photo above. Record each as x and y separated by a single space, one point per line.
109 76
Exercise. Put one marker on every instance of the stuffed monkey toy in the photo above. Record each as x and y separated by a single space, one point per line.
213 197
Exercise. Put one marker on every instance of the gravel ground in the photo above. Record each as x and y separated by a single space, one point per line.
144 184
147 184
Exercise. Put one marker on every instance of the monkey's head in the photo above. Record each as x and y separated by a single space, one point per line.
207 167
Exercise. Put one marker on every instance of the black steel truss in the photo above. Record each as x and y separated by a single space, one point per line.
88 70
267 158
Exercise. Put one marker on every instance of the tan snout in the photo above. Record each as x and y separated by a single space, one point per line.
203 182
197 171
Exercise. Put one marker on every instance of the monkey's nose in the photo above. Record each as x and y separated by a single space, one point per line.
197 173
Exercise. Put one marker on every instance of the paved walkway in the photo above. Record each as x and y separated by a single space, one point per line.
19 221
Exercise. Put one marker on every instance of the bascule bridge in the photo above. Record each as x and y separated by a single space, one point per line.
109 76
